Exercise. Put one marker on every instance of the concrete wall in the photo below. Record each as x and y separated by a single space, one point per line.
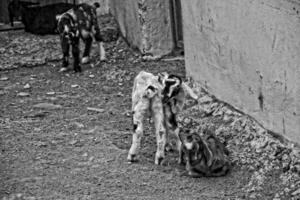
145 24
247 53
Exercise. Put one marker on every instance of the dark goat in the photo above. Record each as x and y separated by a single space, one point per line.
15 7
38 19
204 156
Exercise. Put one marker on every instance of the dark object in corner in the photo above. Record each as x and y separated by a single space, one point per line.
38 19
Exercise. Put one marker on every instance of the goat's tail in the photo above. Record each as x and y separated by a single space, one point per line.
150 92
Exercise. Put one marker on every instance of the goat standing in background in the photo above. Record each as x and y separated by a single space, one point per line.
79 22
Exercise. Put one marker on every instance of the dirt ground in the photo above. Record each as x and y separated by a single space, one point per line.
54 145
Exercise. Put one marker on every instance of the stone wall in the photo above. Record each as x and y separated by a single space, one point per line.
247 53
145 24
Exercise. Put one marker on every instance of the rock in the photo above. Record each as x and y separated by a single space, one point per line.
41 144
4 78
91 76
79 125
287 190
2 92
47 106
296 168
120 94
252 196
91 158
96 109
85 155
27 86
296 192
23 94
50 93
73 142
74 86
205 99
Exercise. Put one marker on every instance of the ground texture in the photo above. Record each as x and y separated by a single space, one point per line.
66 135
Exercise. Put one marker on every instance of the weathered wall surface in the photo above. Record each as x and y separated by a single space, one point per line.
247 53
145 24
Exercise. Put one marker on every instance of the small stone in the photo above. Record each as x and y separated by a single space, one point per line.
63 69
23 94
4 78
120 94
96 109
47 106
287 190
74 86
79 125
91 158
72 142
91 76
296 192
27 86
85 155
205 99
212 106
50 93
252 196
276 195
41 144
2 92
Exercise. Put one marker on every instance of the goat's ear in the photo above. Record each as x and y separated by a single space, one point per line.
58 17
196 137
189 91
161 77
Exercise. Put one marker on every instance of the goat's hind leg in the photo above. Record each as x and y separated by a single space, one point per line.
139 112
160 130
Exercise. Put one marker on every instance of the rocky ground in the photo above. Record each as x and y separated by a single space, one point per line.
66 135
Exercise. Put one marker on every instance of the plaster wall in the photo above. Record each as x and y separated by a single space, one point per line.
145 24
247 53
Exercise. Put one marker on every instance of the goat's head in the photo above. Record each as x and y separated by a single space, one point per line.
195 148
171 85
67 27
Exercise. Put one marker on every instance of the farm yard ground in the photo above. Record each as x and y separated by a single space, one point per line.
66 135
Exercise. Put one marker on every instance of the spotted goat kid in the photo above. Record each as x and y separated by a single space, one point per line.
204 156
162 97
79 22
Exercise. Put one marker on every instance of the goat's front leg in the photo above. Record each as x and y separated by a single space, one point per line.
65 46
139 112
88 45
160 130
75 53
172 125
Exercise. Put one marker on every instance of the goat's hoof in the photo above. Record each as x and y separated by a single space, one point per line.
103 59
169 147
159 161
180 161
85 60
131 158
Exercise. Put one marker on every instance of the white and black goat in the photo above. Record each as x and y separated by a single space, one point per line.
162 96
